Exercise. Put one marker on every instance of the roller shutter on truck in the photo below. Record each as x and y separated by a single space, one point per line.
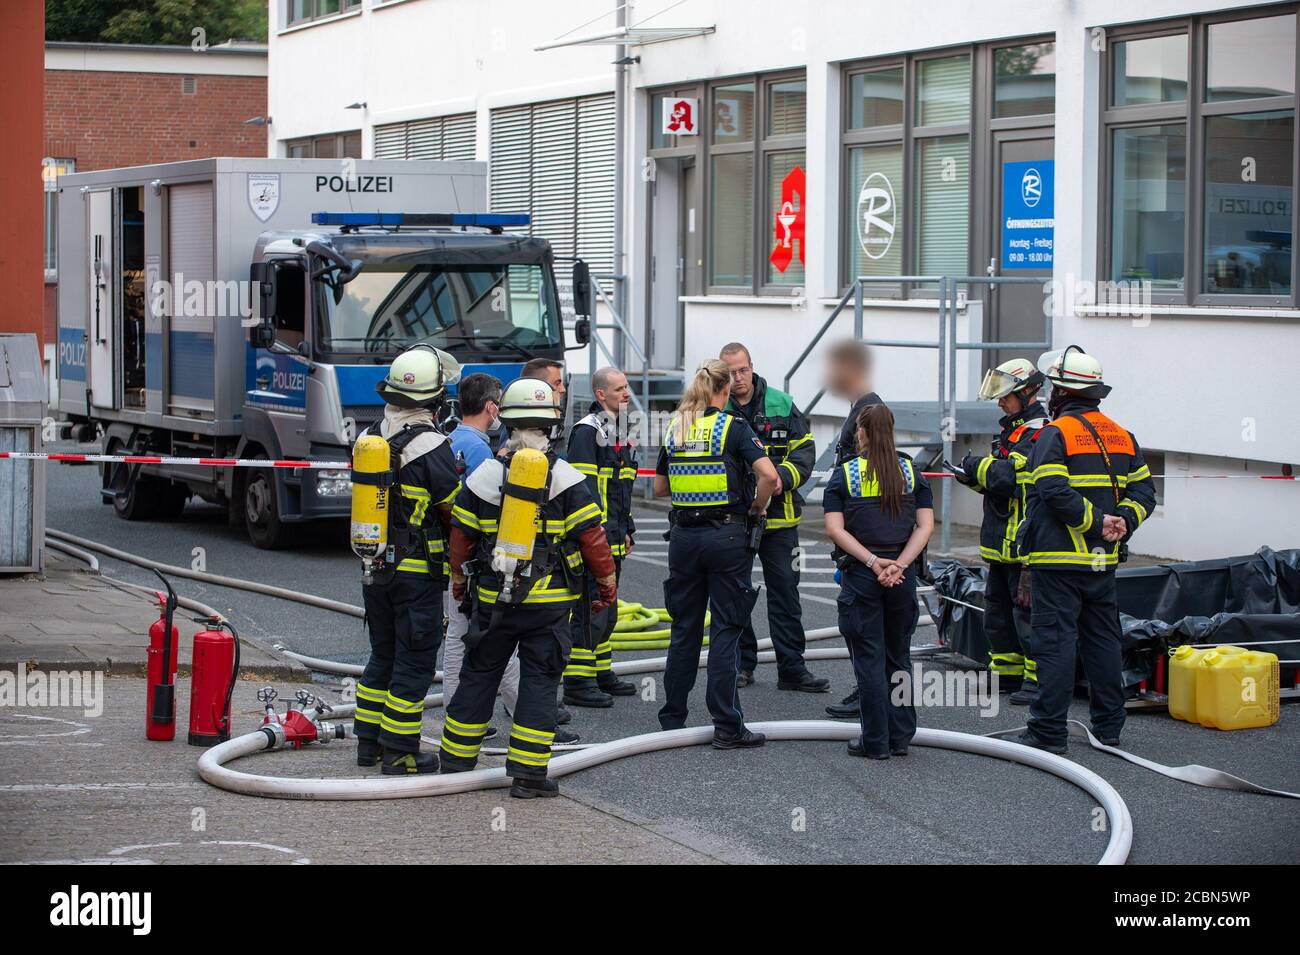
190 365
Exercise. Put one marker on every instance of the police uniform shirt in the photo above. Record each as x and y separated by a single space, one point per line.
741 444
860 504
563 517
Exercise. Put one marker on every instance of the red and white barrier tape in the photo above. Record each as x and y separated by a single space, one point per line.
347 465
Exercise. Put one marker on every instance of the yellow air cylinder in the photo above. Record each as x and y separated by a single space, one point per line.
1237 689
1182 682
370 497
517 529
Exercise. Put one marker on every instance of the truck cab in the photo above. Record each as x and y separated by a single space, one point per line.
339 303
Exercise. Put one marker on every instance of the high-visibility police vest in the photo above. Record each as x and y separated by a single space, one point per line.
864 518
697 470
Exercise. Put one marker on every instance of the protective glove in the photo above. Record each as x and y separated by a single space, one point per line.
607 594
970 464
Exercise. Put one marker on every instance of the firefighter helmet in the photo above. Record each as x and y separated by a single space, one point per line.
530 403
1018 374
418 377
1071 368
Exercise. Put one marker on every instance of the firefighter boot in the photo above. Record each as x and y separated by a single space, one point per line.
587 696
369 752
534 788
397 763
608 683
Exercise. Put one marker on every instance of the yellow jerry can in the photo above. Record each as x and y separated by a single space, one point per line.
1237 689
1182 682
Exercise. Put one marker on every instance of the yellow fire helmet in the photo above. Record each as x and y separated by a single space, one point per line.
1015 375
1072 369
418 377
530 403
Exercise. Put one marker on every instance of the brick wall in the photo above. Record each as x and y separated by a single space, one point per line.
104 120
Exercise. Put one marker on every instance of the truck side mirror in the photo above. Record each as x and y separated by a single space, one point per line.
582 290
582 331
261 276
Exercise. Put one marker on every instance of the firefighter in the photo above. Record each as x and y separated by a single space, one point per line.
787 441
606 458
715 520
880 512
403 601
1014 385
521 603
1089 491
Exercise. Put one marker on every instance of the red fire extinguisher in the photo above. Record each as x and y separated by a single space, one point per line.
160 699
214 669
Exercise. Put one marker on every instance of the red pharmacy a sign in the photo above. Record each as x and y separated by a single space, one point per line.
789 225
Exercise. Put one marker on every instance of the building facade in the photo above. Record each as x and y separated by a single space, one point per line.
112 105
1131 172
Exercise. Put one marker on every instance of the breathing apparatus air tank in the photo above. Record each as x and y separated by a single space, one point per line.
521 499
372 481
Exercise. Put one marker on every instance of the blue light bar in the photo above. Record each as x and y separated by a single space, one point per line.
482 220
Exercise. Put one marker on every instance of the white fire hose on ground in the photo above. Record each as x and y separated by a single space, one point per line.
212 768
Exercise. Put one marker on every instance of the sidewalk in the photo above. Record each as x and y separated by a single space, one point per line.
71 618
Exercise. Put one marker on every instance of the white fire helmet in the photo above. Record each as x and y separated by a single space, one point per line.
419 376
530 403
1071 368
1014 375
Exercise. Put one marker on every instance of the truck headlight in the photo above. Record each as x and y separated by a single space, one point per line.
334 483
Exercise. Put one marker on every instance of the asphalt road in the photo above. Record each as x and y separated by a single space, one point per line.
794 802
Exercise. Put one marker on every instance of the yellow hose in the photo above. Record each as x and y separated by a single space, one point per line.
632 630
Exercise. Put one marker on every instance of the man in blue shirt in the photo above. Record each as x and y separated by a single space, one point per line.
480 399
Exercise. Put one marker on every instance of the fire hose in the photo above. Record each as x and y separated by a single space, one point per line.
301 730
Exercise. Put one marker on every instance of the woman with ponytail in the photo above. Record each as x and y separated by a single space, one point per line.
880 511
704 467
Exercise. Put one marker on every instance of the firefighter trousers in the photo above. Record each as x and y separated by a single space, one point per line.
1006 624
592 657
779 555
877 624
1075 611
540 635
404 616
708 567
453 658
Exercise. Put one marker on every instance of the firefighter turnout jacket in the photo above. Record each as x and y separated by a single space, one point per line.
997 476
427 480
1074 482
787 439
554 574
609 465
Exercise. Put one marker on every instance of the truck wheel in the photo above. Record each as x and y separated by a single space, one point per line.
262 509
132 500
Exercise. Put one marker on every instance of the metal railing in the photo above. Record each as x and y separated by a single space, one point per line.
945 345
639 403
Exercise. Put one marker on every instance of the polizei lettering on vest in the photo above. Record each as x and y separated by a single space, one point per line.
354 183
75 907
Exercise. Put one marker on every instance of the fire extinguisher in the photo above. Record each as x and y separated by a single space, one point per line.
160 699
214 670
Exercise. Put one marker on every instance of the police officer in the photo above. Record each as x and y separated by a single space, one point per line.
523 605
404 600
703 466
1014 385
605 457
788 442
1090 490
880 512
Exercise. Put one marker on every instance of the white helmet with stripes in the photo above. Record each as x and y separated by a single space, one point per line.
1071 368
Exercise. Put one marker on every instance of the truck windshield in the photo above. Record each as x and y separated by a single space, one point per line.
482 309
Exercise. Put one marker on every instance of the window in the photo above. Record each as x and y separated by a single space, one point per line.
1024 80
329 146
51 170
756 183
442 137
893 148
303 11
1200 159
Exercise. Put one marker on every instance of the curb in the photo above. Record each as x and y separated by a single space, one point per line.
287 671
